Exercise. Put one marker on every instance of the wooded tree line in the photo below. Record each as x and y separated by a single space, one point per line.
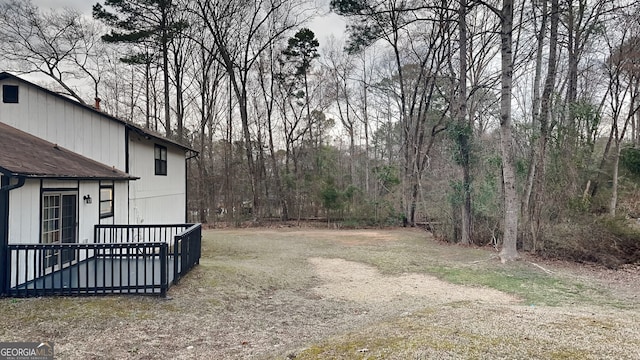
512 123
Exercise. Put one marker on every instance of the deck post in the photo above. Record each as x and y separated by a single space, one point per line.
4 234
164 279
176 276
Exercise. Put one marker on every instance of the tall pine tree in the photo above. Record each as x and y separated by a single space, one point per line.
145 22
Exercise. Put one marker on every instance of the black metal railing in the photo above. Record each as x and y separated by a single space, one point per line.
96 269
187 247
125 259
184 242
109 234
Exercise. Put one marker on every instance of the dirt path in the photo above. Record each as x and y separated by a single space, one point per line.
360 283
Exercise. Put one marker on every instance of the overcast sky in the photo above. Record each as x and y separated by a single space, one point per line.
324 26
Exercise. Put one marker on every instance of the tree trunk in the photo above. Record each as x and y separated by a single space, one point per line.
464 126
545 115
509 250
535 110
228 156
614 180
165 74
276 172
253 173
365 122
180 104
202 201
147 80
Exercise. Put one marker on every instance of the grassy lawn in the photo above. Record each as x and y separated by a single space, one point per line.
255 295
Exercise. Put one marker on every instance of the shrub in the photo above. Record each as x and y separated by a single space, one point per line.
604 240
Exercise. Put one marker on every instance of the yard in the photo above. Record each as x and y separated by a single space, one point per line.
295 293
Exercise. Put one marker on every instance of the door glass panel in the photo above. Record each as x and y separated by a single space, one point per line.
59 214
50 227
68 228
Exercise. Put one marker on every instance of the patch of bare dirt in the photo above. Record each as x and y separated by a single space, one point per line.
365 284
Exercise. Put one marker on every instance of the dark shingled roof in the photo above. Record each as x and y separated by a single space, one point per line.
22 154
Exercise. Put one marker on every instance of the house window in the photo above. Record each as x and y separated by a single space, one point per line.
10 94
106 201
161 160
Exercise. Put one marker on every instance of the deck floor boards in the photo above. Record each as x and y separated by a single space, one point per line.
126 274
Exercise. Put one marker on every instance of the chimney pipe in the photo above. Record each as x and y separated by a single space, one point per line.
97 105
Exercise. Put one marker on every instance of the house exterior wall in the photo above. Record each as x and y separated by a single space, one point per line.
26 208
25 227
156 199
151 199
88 214
65 123
24 222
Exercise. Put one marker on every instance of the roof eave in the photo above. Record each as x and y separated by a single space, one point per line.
9 173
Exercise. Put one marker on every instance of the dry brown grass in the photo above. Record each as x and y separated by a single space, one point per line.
365 294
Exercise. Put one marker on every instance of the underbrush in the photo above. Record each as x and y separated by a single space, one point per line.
605 240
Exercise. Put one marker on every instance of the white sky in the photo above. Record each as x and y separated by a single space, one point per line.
81 5
323 26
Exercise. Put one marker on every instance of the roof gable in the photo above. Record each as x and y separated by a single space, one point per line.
142 131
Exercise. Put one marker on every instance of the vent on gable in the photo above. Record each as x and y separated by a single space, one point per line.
10 94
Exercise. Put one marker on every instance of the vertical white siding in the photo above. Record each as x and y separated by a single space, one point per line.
24 214
67 124
24 224
156 199
60 184
88 214
121 202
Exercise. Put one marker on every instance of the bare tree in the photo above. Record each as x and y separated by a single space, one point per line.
269 84
241 34
623 93
149 23
392 22
339 66
464 128
534 195
509 251
60 44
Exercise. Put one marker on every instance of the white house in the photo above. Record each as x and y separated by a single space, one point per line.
66 167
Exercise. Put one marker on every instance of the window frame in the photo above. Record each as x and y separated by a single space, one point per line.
10 99
160 160
104 201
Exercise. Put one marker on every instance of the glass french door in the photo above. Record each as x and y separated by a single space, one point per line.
59 225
